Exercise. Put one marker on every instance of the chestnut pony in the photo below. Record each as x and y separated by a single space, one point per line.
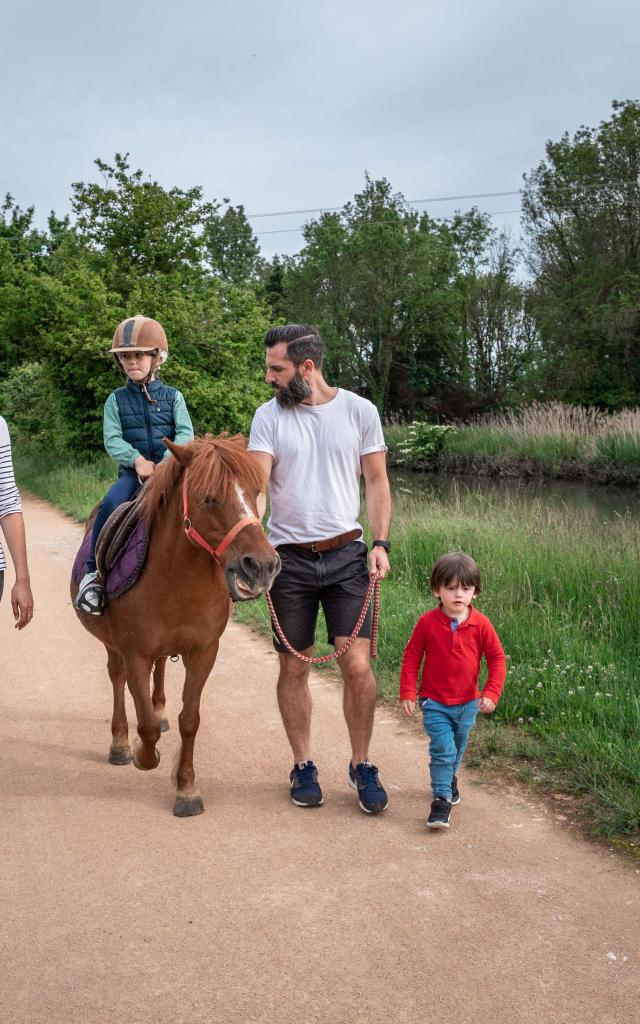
203 497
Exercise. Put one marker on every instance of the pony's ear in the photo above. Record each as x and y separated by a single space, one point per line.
181 452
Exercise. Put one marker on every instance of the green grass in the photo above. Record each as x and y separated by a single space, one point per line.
552 440
482 442
73 486
561 588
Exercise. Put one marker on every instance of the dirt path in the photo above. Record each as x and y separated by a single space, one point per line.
112 910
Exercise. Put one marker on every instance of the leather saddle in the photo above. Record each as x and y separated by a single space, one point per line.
115 534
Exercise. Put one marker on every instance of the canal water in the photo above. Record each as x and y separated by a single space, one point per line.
600 501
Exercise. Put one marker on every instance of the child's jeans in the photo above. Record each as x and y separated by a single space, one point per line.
125 488
448 727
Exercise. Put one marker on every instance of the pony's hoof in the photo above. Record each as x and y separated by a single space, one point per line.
184 808
143 767
120 755
164 725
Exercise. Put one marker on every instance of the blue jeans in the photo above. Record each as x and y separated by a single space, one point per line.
125 487
448 727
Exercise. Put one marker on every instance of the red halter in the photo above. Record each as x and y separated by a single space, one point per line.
192 534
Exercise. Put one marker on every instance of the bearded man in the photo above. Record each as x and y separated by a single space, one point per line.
315 442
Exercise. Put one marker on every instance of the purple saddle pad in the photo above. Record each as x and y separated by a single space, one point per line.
127 566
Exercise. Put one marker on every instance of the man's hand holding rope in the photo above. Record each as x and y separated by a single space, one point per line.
379 562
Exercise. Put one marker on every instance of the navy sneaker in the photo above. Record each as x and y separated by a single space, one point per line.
455 792
440 811
305 789
364 779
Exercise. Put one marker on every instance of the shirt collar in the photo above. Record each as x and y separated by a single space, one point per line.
471 620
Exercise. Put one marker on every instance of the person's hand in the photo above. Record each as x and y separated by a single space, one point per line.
379 562
143 467
22 604
486 705
408 706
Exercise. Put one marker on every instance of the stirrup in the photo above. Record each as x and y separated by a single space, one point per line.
91 598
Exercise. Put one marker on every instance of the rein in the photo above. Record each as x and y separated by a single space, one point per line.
373 589
193 535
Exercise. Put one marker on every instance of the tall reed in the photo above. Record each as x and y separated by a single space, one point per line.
549 438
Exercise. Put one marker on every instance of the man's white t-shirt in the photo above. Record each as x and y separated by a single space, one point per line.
314 488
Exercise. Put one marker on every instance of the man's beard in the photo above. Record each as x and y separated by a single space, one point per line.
292 393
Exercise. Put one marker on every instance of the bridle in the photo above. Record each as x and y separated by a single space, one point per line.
193 535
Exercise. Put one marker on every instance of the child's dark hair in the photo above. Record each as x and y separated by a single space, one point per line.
456 567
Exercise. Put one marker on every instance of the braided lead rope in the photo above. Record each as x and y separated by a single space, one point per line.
373 589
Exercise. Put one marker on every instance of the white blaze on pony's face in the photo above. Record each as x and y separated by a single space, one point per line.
245 508
241 575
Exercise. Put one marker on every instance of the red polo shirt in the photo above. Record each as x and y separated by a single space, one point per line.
452 659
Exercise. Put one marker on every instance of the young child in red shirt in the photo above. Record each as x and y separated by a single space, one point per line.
452 640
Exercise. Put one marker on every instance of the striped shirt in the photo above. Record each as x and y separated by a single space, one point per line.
9 494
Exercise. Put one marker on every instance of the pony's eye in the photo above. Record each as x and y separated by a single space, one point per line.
211 500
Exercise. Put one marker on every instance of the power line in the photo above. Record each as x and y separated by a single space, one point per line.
436 199
289 231
433 199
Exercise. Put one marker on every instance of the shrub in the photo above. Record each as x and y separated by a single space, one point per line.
422 441
34 409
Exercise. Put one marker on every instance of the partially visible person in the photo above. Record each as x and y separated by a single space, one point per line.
452 640
136 419
12 525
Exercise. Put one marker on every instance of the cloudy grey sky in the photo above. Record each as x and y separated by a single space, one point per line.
283 105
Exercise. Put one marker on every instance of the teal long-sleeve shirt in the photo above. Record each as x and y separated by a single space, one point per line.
123 452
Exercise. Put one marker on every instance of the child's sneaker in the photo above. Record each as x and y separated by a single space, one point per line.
440 811
305 788
455 792
90 596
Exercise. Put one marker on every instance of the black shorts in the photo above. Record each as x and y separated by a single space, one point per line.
338 580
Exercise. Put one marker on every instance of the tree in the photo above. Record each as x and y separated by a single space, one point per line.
134 247
21 250
499 335
134 228
581 215
230 245
376 278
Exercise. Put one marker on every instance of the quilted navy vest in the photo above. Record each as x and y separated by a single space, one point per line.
145 423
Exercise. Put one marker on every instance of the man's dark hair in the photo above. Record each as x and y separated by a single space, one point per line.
455 568
303 342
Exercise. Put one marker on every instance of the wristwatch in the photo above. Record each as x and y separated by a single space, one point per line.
382 544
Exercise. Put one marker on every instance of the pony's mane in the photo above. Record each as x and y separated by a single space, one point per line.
216 465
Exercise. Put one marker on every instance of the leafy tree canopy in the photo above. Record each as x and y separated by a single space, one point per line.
581 207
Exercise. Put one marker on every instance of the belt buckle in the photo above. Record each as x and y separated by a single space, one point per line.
313 547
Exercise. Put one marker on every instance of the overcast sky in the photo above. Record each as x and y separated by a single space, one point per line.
284 105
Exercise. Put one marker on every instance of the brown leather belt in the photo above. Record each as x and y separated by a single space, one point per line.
331 542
